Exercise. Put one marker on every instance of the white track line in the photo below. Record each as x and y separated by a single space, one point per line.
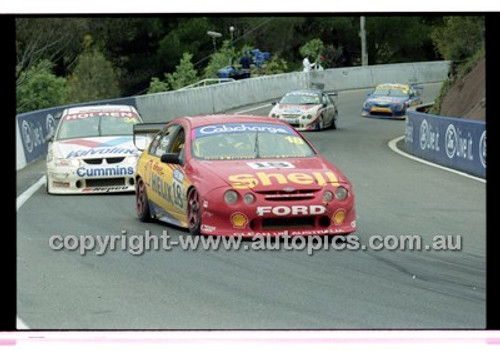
21 199
392 145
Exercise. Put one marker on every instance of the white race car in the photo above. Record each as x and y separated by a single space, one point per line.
307 109
92 150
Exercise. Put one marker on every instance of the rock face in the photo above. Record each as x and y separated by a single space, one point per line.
467 97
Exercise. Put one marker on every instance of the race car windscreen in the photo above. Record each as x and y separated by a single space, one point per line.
301 99
247 141
95 124
396 92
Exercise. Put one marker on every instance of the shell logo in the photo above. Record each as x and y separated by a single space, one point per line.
239 220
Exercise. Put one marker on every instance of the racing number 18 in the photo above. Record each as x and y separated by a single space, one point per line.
294 140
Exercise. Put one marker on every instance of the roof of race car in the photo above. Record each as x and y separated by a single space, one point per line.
198 121
393 86
100 108
306 91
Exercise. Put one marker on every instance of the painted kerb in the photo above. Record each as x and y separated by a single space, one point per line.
452 142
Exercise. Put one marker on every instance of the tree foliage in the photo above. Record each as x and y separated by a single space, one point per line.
184 74
41 88
93 78
459 37
313 49
225 56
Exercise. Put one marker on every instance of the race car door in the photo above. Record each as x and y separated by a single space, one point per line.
414 97
161 193
328 110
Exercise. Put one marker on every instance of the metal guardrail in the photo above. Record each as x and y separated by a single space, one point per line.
207 81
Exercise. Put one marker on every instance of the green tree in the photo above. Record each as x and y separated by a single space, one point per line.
220 59
275 65
398 39
313 49
40 88
157 86
189 35
184 74
94 77
45 38
459 37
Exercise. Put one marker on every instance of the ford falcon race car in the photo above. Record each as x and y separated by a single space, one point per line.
307 109
391 101
92 150
241 176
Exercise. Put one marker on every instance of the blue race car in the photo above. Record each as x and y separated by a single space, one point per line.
391 100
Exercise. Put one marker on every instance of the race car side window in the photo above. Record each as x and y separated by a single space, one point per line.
177 145
154 143
326 99
161 142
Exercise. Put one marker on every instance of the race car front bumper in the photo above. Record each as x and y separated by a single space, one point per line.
70 180
278 218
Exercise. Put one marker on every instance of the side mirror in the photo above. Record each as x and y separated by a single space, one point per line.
172 158
273 103
333 93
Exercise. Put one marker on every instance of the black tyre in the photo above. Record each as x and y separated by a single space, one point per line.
334 120
141 202
194 212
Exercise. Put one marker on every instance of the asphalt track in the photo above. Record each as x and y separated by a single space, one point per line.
282 289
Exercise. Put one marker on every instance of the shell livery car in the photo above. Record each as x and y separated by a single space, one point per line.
307 109
92 150
241 176
391 101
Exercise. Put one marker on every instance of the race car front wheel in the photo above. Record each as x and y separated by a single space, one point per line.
194 212
141 202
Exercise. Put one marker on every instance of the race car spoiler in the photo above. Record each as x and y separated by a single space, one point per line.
147 131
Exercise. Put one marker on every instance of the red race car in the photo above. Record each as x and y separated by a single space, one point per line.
240 176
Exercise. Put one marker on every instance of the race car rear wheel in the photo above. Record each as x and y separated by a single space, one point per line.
334 121
321 124
141 202
194 212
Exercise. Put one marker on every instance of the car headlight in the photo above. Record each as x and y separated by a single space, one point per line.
341 193
131 160
327 196
64 162
367 105
249 198
230 197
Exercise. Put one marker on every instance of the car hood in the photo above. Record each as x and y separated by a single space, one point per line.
386 100
276 174
96 147
295 109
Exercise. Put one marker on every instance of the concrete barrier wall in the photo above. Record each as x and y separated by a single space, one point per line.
452 142
217 98
162 107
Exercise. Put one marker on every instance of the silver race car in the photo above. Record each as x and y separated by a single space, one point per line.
307 109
